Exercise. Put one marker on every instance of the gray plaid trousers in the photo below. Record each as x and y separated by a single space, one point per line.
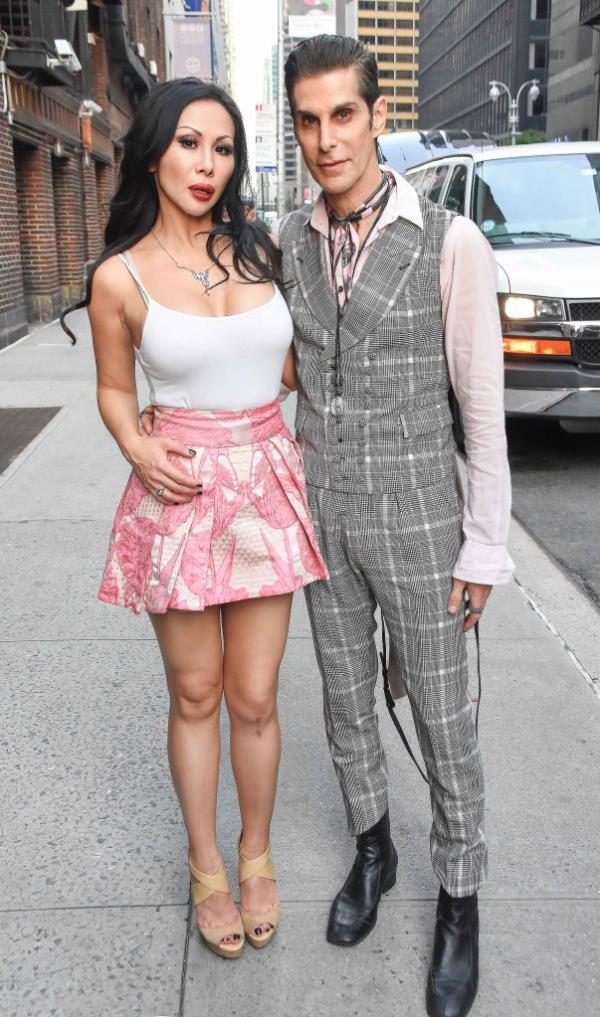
398 550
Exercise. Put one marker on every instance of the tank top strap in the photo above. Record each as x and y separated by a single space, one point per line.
130 265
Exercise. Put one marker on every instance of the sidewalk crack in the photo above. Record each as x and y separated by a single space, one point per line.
184 965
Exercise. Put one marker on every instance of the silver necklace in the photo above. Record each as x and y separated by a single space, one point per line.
200 276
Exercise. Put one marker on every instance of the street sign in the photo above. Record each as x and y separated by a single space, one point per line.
266 138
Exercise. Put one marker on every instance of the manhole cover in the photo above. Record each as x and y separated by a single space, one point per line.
20 426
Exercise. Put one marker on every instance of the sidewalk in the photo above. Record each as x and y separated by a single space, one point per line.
94 917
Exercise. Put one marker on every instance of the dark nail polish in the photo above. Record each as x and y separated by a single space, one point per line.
192 451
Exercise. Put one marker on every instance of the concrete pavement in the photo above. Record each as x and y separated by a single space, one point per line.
94 915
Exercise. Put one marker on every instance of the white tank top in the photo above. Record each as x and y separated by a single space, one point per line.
233 362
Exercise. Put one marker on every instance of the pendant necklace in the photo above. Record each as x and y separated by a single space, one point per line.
200 276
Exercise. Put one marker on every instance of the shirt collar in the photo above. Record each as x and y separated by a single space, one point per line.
403 204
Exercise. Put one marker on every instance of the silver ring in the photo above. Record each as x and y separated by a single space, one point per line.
475 610
159 492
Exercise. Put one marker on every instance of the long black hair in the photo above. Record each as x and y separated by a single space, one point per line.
135 206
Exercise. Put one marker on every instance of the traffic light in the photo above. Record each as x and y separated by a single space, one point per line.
72 6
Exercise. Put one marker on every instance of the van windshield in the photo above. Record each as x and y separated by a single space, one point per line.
539 199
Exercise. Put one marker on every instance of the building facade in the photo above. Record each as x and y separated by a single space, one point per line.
573 78
390 29
71 82
466 44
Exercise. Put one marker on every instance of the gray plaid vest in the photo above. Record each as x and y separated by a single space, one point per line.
395 431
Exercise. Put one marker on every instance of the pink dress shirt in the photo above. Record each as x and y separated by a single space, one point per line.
473 337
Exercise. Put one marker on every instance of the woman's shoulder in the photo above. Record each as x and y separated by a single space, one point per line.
111 281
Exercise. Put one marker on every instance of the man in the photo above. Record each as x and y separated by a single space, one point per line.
393 300
250 209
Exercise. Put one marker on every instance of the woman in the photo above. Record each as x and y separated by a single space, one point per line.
213 533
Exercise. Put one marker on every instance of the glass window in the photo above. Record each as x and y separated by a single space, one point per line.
538 199
420 179
437 182
455 195
540 10
538 55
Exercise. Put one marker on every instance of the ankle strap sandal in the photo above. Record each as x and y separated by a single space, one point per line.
204 884
263 867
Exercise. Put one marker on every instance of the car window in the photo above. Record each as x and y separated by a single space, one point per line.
539 198
455 195
413 178
437 182
421 185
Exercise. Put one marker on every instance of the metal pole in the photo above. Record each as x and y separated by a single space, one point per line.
513 120
280 114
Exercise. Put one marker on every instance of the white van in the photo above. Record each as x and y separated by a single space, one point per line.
539 207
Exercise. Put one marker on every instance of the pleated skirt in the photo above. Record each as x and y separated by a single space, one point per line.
249 534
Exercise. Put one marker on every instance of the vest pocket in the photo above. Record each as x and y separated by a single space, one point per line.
425 419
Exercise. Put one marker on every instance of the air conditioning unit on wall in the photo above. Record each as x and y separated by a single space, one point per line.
153 67
141 50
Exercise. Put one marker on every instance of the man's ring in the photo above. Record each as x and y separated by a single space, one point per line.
475 610
159 492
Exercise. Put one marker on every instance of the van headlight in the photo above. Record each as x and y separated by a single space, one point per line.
522 308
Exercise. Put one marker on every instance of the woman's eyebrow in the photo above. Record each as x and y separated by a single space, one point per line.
188 127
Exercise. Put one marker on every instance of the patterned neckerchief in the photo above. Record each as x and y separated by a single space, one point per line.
343 250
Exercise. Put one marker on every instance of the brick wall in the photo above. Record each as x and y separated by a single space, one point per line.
13 316
53 207
105 186
35 198
93 226
69 227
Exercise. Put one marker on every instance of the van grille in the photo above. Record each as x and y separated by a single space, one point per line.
584 310
587 351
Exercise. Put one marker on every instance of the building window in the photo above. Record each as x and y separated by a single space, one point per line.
538 55
540 10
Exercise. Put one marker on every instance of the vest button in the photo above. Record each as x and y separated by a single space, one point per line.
372 356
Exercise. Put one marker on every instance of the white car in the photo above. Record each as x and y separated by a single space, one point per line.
539 207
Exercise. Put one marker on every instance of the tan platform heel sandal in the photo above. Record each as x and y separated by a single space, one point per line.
263 867
203 887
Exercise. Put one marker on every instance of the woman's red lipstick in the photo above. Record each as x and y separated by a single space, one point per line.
203 192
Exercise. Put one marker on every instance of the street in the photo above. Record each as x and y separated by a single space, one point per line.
556 495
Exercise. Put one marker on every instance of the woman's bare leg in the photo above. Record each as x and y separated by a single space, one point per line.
191 647
255 634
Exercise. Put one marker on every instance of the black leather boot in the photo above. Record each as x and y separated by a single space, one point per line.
454 971
354 911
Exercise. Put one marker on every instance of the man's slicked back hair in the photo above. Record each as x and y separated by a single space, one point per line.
324 53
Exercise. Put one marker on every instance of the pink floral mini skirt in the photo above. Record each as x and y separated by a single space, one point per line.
248 535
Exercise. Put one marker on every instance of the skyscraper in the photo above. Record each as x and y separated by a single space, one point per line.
465 45
390 29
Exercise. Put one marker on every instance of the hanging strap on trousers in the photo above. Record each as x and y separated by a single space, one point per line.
391 704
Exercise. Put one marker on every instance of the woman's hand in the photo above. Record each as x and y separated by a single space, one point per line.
147 420
149 460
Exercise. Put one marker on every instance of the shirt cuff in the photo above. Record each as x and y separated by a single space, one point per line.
489 564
